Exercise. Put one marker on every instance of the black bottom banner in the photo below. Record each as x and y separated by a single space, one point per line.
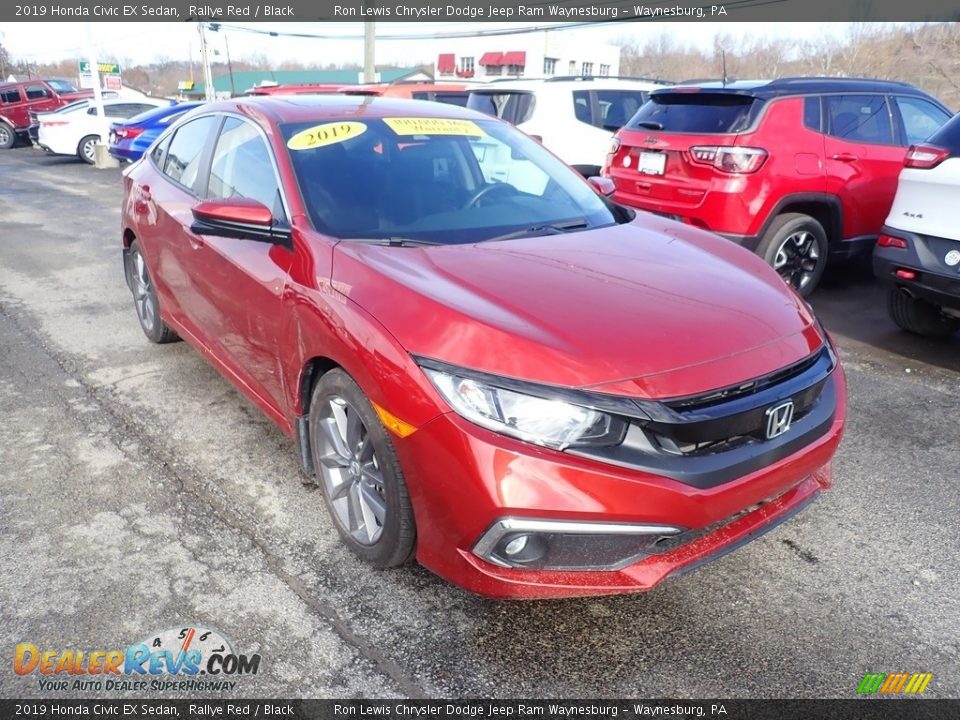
865 709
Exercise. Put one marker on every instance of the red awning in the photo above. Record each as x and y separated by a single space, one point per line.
517 57
492 58
446 62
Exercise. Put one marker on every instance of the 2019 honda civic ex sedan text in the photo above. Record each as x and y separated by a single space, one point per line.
483 362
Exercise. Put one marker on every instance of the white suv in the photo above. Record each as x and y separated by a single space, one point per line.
918 251
575 117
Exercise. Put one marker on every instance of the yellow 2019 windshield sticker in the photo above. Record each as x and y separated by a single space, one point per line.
326 134
433 126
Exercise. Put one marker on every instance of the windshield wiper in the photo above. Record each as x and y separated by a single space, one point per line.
395 241
548 229
650 124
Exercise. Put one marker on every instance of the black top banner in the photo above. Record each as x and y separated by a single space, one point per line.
531 12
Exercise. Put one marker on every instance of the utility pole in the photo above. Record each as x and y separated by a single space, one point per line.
94 71
226 45
369 56
205 58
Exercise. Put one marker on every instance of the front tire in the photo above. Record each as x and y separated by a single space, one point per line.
87 149
795 246
8 136
918 316
359 473
145 299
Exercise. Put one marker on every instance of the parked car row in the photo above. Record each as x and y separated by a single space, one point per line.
798 170
19 99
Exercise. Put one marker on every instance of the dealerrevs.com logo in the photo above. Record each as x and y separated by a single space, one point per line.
186 659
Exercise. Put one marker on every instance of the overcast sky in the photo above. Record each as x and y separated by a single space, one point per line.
144 42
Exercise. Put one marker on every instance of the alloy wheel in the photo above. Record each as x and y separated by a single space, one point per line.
89 150
350 471
4 135
143 292
797 258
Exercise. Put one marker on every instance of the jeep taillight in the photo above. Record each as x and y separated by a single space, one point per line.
612 152
924 157
729 159
891 241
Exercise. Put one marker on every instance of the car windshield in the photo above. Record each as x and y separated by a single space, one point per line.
61 86
437 180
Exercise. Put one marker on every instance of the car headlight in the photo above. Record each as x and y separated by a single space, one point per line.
549 422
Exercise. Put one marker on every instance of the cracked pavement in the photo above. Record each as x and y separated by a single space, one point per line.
140 491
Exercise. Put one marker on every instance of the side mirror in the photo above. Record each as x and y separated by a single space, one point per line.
239 218
602 185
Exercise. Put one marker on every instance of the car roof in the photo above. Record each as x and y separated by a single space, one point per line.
299 108
795 86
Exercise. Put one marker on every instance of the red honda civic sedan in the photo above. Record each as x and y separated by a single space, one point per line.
483 362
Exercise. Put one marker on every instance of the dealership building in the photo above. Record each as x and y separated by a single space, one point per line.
531 55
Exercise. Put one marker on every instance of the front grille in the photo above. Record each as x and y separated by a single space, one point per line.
714 397
714 437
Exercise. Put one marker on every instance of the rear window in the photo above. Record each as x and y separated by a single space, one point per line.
514 107
947 137
697 112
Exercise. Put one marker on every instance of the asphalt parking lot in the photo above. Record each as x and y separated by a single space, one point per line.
140 491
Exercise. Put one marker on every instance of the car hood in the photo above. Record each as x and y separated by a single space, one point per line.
652 308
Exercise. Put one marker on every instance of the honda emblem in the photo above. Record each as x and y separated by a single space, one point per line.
779 418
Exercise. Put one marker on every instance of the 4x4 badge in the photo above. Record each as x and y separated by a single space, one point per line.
779 418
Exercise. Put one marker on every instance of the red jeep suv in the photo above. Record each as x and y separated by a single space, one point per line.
795 169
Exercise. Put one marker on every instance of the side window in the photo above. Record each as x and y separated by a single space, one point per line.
581 106
811 113
10 96
921 118
36 92
159 153
182 163
242 168
859 118
616 107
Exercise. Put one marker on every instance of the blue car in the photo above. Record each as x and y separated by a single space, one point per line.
129 139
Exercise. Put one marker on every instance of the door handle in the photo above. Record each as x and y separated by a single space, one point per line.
845 157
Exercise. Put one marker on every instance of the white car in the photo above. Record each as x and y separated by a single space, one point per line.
575 117
75 130
918 251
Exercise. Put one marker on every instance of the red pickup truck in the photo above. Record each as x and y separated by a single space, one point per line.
17 99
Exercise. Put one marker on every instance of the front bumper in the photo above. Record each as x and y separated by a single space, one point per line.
934 281
464 479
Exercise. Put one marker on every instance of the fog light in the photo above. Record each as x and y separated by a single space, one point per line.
563 545
516 546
